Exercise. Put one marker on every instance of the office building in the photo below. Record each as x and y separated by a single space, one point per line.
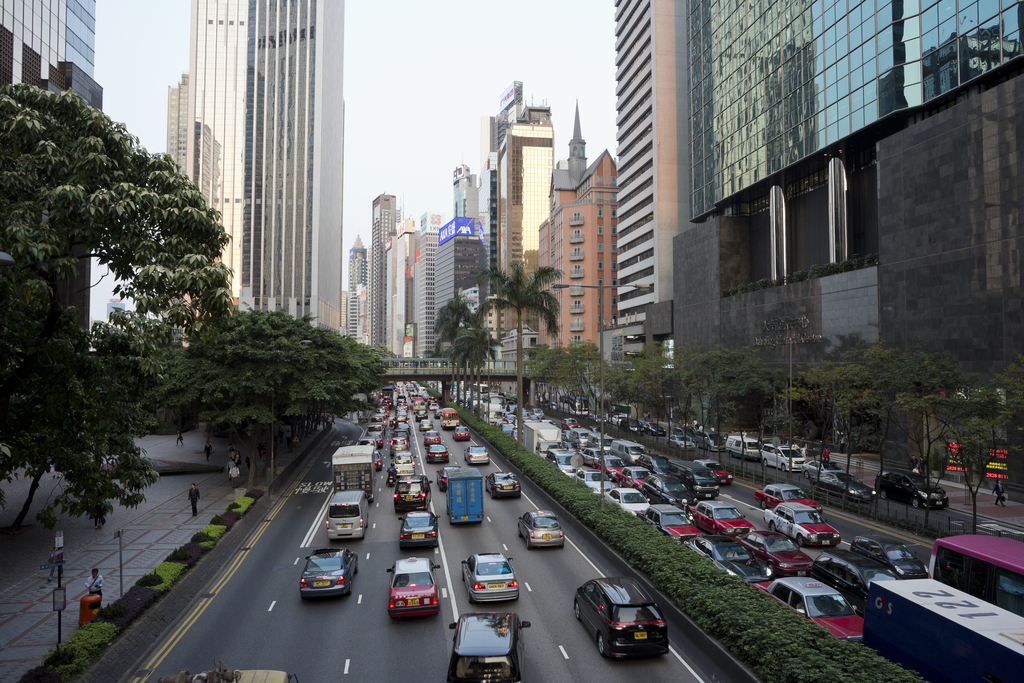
653 176
426 312
487 208
579 238
385 214
362 334
358 277
177 122
344 306
114 305
461 250
402 284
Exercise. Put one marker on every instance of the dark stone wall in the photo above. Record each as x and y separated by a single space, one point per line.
950 243
696 284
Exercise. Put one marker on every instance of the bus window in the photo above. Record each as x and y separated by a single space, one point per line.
978 586
950 568
1009 591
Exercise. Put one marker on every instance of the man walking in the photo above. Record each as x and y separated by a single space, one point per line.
998 491
180 440
193 497
208 449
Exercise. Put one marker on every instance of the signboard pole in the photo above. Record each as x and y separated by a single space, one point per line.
120 559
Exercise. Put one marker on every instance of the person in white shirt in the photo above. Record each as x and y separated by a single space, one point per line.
95 584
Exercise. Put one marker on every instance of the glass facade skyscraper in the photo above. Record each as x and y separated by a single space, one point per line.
525 161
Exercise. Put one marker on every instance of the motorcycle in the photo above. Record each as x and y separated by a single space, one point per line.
391 479
377 464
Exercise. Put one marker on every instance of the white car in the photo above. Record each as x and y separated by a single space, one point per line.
629 500
537 414
592 480
426 425
802 523
404 462
811 467
681 441
563 461
782 458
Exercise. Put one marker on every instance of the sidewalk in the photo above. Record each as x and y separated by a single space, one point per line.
28 626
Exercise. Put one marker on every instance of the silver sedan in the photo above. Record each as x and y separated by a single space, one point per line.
490 577
477 455
541 528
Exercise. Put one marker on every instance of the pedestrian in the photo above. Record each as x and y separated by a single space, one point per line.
56 555
181 438
915 465
825 453
99 517
95 584
233 474
1000 495
208 449
231 452
193 497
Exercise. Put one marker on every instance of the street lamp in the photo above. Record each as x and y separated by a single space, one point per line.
6 259
600 328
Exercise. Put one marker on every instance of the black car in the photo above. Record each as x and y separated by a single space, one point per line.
850 574
437 453
841 483
910 488
892 553
660 488
488 646
442 478
502 485
731 556
419 529
651 428
412 492
623 618
328 571
655 463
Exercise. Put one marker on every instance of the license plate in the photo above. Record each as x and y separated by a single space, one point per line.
640 635
418 536
344 526
801 573
414 601
321 583
410 497
464 517
546 537
508 488
495 585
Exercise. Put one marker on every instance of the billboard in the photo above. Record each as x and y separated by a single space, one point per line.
387 244
457 226
460 173
507 97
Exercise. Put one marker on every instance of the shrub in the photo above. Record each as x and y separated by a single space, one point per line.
200 537
148 580
761 284
132 604
798 276
816 271
178 555
208 544
214 531
241 505
167 572
40 674
83 645
227 520
255 494
187 554
112 612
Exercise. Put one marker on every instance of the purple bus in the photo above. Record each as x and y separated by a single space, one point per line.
988 567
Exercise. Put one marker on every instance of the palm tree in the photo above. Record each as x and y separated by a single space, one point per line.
476 347
525 293
448 324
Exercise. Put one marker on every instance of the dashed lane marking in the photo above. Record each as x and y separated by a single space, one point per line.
562 650
272 605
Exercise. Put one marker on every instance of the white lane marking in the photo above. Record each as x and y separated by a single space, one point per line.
307 540
583 555
435 550
488 519
346 665
562 650
360 600
376 505
367 555
683 662
527 587
444 593
295 562
272 605
375 525
504 546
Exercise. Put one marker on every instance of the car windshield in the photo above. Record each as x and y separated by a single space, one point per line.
808 517
633 497
674 485
592 476
660 462
563 459
492 568
323 564
828 606
613 462
418 522
545 522
409 487
794 494
638 473
877 575
714 465
779 545
412 579
635 450
632 614
789 453
898 552
731 552
845 479
496 668
727 513
674 520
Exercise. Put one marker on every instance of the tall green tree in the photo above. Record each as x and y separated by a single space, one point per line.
525 293
448 324
76 186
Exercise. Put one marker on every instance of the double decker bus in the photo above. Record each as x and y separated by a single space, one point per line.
990 568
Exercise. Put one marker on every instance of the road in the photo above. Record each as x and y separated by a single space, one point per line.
253 616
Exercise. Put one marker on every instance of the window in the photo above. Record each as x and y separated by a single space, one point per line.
614 229
600 212
600 247
577 337
598 178
615 265
615 301
600 229
600 265
613 180
614 211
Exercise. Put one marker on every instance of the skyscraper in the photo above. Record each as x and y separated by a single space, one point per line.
402 285
358 277
177 122
525 162
461 253
426 311
383 226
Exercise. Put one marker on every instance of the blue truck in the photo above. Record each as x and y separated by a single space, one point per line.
944 634
465 495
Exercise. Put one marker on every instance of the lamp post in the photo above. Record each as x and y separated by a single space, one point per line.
600 329
6 259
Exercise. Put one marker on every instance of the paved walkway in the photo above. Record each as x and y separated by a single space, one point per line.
28 626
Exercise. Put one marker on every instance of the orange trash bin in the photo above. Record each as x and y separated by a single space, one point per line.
88 607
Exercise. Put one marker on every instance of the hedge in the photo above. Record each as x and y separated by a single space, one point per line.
84 644
167 572
129 606
214 531
40 674
241 505
187 554
778 644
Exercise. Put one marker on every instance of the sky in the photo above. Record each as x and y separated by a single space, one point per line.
418 77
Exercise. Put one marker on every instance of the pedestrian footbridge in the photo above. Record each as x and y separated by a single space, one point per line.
420 369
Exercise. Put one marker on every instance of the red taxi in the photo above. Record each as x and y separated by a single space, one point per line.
461 433
413 588
720 517
773 494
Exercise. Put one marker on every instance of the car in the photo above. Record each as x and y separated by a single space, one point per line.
509 429
569 423
612 466
773 494
477 455
367 441
502 485
709 441
488 646
434 406
378 440
812 468
592 480
461 433
720 517
663 489
442 478
731 557
724 476
821 604
328 571
891 552
778 549
591 457
651 428
437 453
412 493
412 590
437 412
628 499
670 520
404 463
426 425
802 523
431 438
541 528
399 443
632 477
418 529
622 617
655 463
683 442
910 488
490 577
846 485
561 460
537 414
850 574
785 458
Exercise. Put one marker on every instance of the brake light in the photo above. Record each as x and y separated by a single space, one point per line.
302 583
328 523
396 496
433 601
341 581
513 584
391 605
560 534
431 533
532 535
406 535
478 586
360 521
423 494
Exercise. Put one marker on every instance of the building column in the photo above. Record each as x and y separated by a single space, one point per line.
777 206
837 241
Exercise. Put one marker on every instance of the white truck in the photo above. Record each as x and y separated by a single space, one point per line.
495 411
540 437
352 467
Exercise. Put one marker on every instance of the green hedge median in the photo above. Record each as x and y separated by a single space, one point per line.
779 645
74 656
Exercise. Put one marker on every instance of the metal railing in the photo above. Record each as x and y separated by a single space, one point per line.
576 256
577 308
398 367
575 239
575 220
576 327
576 274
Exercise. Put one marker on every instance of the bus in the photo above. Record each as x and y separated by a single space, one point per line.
990 568
449 418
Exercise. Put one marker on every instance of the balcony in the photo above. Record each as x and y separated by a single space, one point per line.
576 290
576 308
576 256
575 239
576 327
576 274
575 221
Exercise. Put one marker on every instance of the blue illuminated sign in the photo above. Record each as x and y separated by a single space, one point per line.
455 227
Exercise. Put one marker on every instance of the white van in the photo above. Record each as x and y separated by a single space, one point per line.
627 451
347 515
734 447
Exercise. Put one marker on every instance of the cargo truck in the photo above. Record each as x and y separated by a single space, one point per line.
465 495
944 634
352 467
540 437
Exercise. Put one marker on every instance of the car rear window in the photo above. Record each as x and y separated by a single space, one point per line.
545 522
344 510
484 668
412 579
323 564
409 487
418 522
492 568
632 614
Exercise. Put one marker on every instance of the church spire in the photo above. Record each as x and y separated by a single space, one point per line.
577 150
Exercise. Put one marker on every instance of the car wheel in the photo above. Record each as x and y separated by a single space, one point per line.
601 646
529 544
771 526
916 502
883 495
800 541
519 530
764 504
764 462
